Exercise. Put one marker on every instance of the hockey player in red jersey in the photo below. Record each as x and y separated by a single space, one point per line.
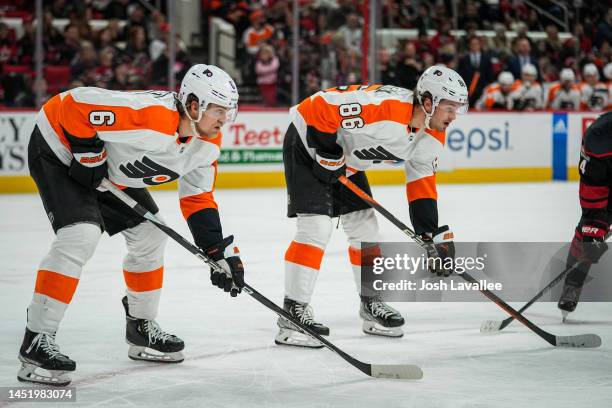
136 139
343 131
595 195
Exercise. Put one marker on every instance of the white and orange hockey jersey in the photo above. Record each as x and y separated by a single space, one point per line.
594 97
560 98
494 98
370 123
527 95
139 131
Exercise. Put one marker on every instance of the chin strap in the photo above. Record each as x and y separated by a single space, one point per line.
427 116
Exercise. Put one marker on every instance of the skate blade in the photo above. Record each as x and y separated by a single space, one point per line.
147 354
289 337
564 315
373 328
34 374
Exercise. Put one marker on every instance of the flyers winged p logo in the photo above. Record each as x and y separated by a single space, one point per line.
150 172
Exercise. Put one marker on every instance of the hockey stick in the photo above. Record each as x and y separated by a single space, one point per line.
581 340
498 325
397 371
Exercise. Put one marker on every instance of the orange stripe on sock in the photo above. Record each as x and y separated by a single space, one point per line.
144 281
55 285
360 257
304 254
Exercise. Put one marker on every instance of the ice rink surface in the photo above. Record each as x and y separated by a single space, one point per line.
231 359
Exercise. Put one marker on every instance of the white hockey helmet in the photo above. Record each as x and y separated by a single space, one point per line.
210 84
607 71
440 83
505 78
529 69
567 74
590 69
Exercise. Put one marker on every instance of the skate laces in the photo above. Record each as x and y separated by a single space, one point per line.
380 308
304 311
47 343
155 332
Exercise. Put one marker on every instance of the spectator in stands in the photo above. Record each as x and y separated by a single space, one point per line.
533 21
528 95
136 18
27 43
84 65
104 39
522 56
499 43
471 16
258 32
350 33
59 9
8 46
51 35
266 69
337 17
104 70
409 67
564 95
498 95
593 93
476 69
552 46
604 29
422 44
137 51
71 45
117 9
443 36
423 20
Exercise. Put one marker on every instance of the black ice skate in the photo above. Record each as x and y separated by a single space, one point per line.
379 318
42 362
569 299
289 335
149 342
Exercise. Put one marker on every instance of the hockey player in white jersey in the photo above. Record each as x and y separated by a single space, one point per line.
136 139
593 93
564 95
528 94
344 131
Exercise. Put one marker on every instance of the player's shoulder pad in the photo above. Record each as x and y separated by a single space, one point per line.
598 137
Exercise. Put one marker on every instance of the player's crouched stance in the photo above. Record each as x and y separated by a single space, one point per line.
136 139
588 245
343 131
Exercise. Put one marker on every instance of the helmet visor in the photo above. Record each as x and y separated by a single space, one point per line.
220 112
449 106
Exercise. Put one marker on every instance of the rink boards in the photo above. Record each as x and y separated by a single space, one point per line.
480 147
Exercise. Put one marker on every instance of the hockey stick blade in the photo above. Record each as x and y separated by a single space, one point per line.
591 340
489 326
579 341
400 371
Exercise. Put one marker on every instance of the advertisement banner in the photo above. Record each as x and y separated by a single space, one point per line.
15 130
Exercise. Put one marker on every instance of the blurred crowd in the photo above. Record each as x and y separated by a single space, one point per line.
128 52
508 69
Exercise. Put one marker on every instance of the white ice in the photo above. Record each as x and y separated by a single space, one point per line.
231 359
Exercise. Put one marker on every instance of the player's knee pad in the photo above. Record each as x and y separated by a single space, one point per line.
360 226
145 243
74 245
314 229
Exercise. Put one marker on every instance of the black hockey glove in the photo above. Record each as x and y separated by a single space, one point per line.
88 166
588 244
329 167
231 277
440 251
